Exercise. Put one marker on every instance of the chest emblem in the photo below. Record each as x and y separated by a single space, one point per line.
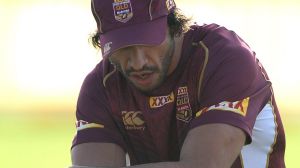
160 101
184 111
133 120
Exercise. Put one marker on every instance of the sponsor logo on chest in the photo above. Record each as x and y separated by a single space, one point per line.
160 101
183 107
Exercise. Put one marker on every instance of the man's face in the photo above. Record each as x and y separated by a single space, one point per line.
146 67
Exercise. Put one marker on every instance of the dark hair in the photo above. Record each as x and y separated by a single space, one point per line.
178 23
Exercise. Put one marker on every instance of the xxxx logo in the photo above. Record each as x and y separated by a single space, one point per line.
161 100
239 107
133 120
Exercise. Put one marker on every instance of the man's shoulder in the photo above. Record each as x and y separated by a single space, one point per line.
222 44
217 36
99 74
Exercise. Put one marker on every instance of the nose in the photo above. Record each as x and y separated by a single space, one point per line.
138 58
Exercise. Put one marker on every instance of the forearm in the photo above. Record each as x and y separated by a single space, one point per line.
74 166
178 164
148 165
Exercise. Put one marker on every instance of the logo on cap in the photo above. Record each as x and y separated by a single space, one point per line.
106 48
122 10
170 4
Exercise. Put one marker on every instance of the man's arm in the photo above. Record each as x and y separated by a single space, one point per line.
97 155
207 146
212 145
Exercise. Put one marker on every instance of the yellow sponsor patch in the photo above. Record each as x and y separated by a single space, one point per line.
239 107
81 125
160 101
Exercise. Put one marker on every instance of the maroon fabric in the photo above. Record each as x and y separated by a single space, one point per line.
152 128
123 23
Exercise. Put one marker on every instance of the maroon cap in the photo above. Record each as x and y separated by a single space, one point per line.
123 23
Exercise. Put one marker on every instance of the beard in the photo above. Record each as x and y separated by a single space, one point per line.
162 72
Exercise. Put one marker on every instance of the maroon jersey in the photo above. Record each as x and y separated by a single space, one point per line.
218 80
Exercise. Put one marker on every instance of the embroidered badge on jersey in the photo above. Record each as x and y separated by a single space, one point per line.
133 120
239 107
122 10
184 111
160 101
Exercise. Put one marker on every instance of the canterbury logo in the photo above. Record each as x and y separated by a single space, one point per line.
133 120
161 100
239 107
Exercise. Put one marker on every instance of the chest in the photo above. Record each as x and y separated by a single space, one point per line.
155 126
156 123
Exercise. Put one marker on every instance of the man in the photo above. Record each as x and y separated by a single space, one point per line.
169 95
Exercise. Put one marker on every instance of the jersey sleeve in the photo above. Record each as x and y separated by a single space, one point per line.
234 88
94 119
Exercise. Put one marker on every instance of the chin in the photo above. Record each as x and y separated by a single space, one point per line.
147 90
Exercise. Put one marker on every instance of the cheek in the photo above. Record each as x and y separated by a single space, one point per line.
163 54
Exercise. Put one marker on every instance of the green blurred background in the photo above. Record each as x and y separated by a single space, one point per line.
45 55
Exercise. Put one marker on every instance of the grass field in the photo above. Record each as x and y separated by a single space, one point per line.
35 141
43 140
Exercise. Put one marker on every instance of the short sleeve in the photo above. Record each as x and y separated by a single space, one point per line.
94 119
234 89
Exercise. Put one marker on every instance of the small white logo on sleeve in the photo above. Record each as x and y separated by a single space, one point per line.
106 48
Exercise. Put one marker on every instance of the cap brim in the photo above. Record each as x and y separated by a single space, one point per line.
149 33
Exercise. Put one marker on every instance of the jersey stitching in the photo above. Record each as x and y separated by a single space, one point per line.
275 120
149 10
242 160
276 132
107 76
100 24
206 55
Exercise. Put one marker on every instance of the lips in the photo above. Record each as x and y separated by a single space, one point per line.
144 78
